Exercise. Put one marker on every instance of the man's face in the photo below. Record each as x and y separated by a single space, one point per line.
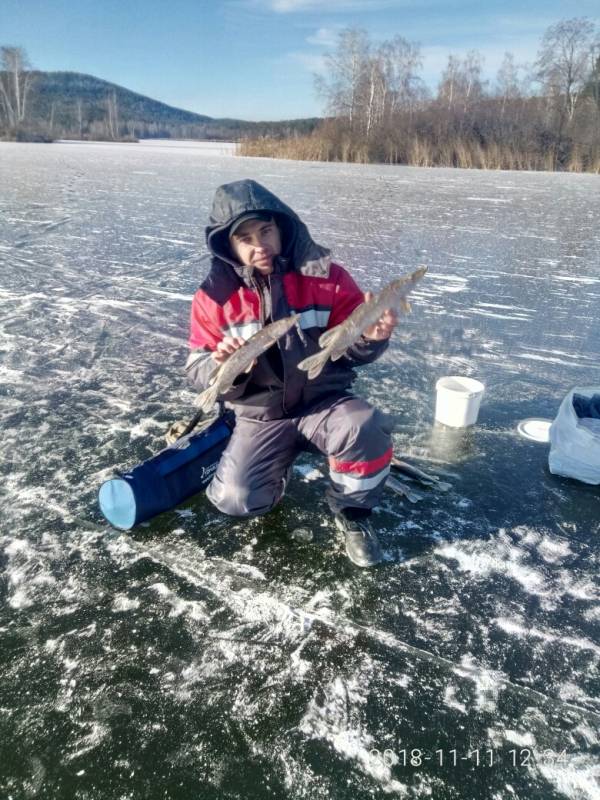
256 243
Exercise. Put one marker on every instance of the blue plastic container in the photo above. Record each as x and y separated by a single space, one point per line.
165 480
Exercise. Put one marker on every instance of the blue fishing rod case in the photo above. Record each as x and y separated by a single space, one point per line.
179 471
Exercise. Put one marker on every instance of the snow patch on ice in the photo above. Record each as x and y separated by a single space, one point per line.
195 610
309 473
525 631
554 550
486 559
486 682
521 739
124 603
335 716
576 777
451 701
144 426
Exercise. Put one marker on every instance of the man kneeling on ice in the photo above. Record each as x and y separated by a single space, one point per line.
265 267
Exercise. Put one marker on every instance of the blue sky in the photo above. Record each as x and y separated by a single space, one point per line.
255 59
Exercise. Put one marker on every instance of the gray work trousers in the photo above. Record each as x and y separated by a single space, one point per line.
356 438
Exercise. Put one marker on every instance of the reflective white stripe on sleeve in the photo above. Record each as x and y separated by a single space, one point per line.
353 484
314 318
196 357
245 330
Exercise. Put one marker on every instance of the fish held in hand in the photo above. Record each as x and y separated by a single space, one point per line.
336 341
241 360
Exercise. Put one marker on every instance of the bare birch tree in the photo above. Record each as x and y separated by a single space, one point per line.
345 83
461 82
113 116
79 107
401 61
364 87
593 85
450 84
472 66
508 82
563 62
15 83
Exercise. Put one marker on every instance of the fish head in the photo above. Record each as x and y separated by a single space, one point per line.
282 326
403 285
294 319
410 277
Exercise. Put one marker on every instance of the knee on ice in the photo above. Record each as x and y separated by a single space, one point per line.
242 501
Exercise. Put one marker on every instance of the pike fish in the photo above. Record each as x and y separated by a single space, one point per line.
415 474
241 359
402 489
336 341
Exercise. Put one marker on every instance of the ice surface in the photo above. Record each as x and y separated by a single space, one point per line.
201 656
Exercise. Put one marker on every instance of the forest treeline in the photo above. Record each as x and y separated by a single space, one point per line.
44 106
377 108
542 116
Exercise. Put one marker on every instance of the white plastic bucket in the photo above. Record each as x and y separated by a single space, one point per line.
457 401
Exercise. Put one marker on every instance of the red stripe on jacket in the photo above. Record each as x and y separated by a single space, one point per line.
337 292
361 467
209 319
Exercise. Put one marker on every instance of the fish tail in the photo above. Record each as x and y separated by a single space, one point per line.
314 364
208 398
400 488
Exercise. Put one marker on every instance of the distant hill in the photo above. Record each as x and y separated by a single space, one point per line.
74 105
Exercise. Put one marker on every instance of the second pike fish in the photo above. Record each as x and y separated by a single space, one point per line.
241 359
336 341
402 489
416 474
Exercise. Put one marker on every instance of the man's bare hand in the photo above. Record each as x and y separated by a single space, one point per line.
384 326
227 346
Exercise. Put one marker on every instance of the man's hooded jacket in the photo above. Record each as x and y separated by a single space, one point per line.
235 300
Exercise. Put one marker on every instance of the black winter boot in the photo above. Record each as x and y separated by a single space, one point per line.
362 545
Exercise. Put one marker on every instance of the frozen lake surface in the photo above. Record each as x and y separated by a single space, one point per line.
199 657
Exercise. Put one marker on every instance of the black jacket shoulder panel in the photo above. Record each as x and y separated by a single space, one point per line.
221 282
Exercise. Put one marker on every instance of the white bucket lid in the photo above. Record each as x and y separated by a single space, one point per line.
536 429
467 387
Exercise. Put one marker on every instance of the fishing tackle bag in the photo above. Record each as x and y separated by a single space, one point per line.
159 484
575 436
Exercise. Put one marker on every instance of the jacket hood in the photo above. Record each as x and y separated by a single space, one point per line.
232 200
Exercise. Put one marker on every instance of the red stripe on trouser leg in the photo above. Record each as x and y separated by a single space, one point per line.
350 431
361 467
